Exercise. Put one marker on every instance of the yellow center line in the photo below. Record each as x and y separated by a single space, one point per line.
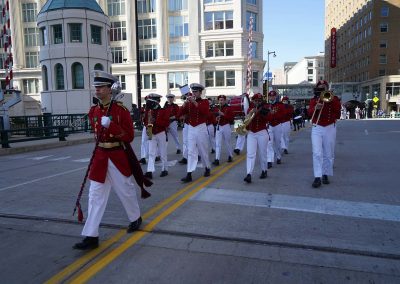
112 255
85 259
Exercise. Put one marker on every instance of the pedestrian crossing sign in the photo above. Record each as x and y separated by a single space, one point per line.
375 99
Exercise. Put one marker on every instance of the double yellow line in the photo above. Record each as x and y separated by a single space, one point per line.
83 274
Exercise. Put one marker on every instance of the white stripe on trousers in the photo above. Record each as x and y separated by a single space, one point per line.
254 140
323 147
197 145
123 186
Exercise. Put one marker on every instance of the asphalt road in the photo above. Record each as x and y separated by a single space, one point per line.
216 229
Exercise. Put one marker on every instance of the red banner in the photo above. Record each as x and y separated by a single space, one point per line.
333 47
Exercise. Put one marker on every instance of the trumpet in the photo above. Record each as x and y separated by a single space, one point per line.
324 97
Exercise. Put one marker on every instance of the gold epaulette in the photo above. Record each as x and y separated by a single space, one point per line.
121 104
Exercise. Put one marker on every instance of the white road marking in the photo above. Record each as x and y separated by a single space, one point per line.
85 160
169 163
60 158
299 203
40 158
366 132
40 179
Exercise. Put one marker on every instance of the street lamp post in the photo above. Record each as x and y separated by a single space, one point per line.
274 54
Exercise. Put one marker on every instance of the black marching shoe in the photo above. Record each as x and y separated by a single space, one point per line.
178 151
164 174
317 182
325 179
143 161
212 151
269 165
87 243
237 151
263 175
183 161
285 151
158 159
230 159
216 162
207 172
187 178
278 161
247 178
149 175
134 226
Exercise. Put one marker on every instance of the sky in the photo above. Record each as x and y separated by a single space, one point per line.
293 29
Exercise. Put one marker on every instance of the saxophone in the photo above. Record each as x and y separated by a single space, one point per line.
241 128
149 127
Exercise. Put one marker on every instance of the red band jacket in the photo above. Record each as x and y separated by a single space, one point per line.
277 113
330 111
260 120
195 115
120 130
160 119
228 116
173 111
289 110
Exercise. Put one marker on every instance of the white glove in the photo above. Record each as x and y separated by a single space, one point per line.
105 121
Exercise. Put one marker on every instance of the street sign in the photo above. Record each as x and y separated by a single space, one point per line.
375 100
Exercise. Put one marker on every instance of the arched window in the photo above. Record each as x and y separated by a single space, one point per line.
78 81
59 71
45 78
98 66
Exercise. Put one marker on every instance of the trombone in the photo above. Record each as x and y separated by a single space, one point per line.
324 97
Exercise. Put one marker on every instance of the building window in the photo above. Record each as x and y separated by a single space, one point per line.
77 76
95 32
121 79
75 32
178 51
148 81
253 2
253 49
177 79
3 58
220 78
218 20
382 72
219 48
31 59
116 7
255 80
57 34
216 1
248 15
382 59
148 53
177 5
118 54
31 86
385 11
310 71
59 73
118 31
99 66
310 64
147 28
45 78
43 35
29 12
384 27
31 36
178 26
383 43
146 6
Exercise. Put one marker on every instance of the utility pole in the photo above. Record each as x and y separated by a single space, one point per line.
138 79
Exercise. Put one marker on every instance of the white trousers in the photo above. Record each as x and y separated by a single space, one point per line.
256 140
270 147
223 133
173 132
276 140
144 147
211 135
286 129
197 145
157 145
185 132
123 186
240 141
323 147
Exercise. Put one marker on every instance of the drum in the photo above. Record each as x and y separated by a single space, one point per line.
239 105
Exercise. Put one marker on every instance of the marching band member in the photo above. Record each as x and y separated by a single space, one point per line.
211 123
240 139
288 114
324 113
257 137
197 110
275 126
156 121
183 118
224 117
110 167
173 122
